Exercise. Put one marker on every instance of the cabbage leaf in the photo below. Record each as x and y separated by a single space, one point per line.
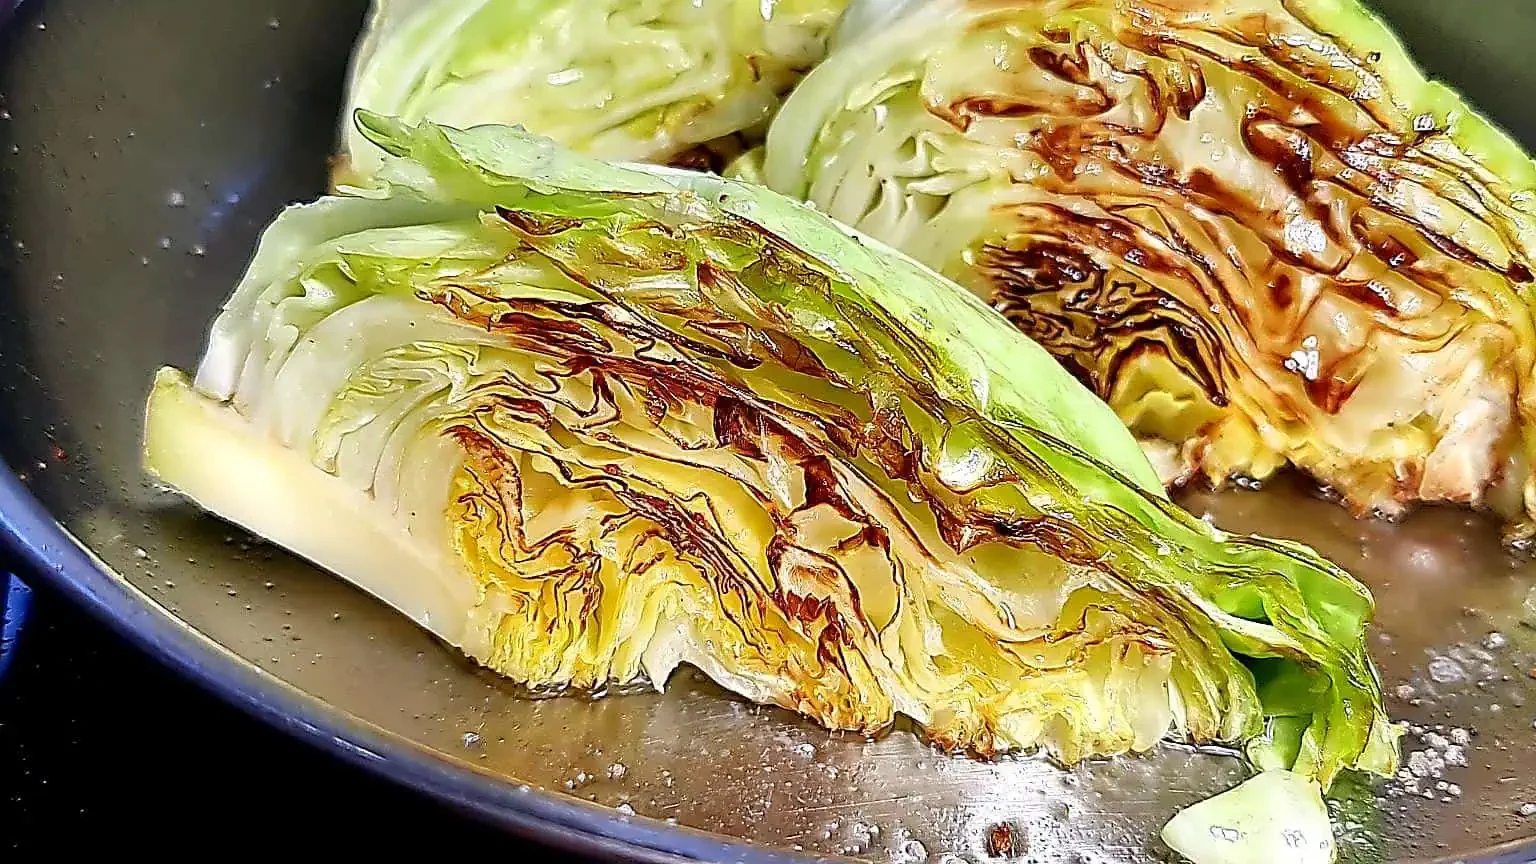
589 423
1252 226
648 80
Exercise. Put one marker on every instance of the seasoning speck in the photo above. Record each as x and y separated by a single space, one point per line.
1000 839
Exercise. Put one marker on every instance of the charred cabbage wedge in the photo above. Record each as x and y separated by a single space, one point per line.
589 423
1252 226
624 79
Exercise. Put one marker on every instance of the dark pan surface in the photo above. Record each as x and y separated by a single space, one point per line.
142 147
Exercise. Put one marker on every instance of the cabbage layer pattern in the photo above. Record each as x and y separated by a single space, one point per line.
1252 226
589 423
648 80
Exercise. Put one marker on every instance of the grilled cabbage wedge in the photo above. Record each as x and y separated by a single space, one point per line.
644 80
1253 226
589 423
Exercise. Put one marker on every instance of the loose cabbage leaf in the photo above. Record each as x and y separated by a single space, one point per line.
1252 226
1275 816
623 79
589 423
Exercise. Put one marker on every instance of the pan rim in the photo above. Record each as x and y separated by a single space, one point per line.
39 545
36 547
46 550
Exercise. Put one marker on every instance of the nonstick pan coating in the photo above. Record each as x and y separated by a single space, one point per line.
144 144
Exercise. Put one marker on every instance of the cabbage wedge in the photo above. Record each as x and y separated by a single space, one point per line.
588 423
644 80
1252 226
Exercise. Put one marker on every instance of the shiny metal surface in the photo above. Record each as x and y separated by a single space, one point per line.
143 145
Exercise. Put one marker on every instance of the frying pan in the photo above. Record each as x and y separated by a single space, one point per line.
143 145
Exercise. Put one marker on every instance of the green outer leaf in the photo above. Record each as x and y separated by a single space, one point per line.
988 366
